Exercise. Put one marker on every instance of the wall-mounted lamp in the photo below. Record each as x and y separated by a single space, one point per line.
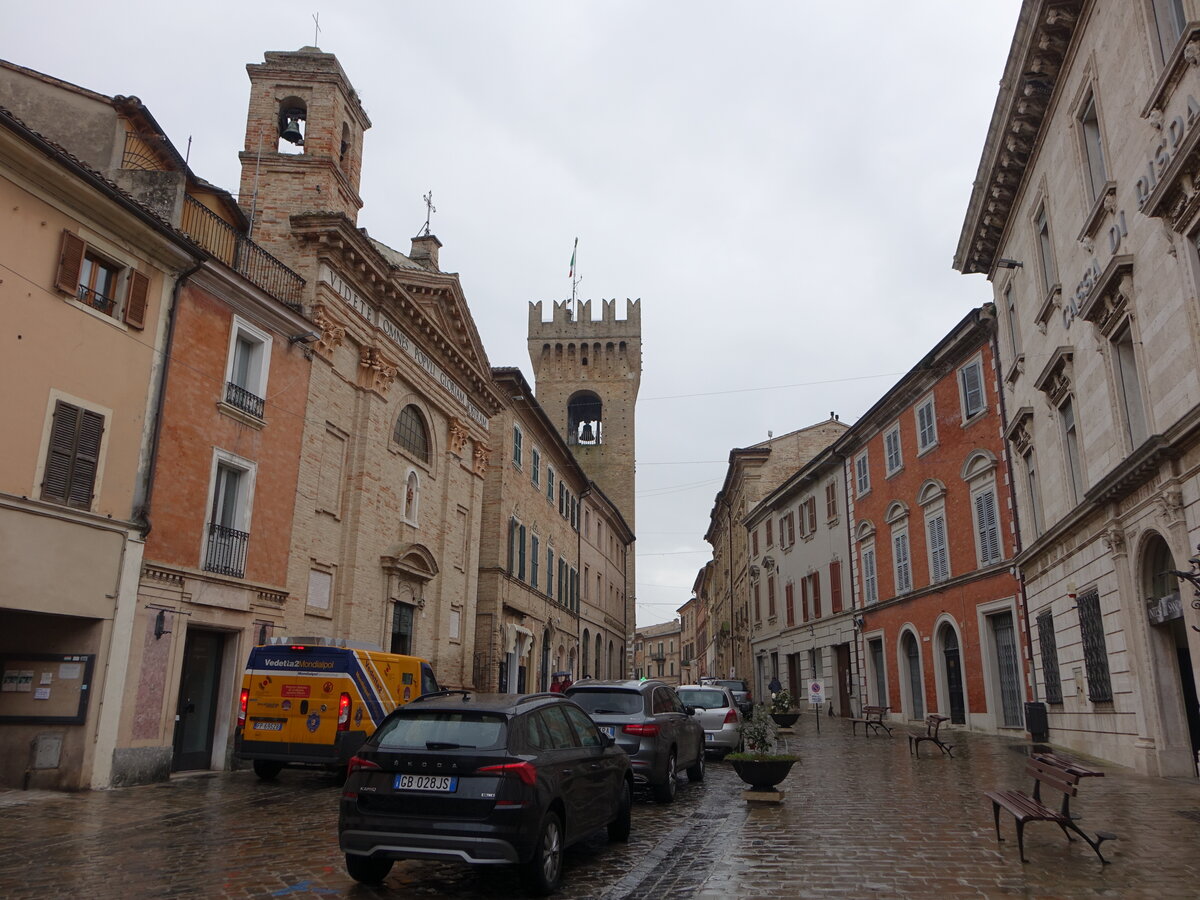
307 337
1006 263
859 621
160 624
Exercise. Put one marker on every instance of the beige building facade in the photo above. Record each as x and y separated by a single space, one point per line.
1085 219
656 652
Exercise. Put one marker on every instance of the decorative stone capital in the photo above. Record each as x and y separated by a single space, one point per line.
332 332
1114 540
377 371
481 455
458 436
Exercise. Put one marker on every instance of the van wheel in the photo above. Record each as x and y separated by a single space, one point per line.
543 872
367 870
267 768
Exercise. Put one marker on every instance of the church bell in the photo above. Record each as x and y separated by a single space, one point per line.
291 130
587 436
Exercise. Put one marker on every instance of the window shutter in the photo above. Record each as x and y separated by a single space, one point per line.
135 303
70 262
87 460
804 599
816 580
57 479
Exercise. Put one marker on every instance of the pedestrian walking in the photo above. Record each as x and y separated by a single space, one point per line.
775 687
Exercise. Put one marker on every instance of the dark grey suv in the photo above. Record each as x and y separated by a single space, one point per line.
650 723
484 779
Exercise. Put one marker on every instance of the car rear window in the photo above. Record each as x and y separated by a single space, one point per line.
613 702
431 729
733 685
702 699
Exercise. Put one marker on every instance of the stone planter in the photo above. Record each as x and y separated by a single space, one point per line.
762 774
785 720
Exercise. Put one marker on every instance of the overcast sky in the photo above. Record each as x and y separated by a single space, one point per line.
781 183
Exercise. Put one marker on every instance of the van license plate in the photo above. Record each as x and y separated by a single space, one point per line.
447 783
268 726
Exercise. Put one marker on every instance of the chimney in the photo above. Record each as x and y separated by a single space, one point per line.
425 251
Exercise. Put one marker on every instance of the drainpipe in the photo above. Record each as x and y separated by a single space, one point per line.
142 514
1012 502
858 672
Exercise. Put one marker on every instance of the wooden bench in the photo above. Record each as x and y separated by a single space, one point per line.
1030 808
871 720
933 724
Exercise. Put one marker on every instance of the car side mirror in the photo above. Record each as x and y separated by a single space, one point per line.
691 710
606 741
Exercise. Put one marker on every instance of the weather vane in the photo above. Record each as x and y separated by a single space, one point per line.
316 29
430 209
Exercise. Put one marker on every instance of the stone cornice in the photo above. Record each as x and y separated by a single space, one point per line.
1043 36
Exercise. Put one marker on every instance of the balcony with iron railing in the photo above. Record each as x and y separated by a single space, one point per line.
240 398
225 553
657 655
240 253
95 300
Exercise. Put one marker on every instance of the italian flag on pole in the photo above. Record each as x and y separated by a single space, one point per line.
573 249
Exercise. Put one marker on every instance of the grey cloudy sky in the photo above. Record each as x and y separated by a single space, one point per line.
781 183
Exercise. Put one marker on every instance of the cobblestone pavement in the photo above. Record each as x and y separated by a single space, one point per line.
861 818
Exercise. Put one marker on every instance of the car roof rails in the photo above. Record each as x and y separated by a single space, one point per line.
446 693
541 695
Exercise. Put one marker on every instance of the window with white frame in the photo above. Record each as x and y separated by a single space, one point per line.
1096 172
1045 249
100 282
831 502
246 368
1129 386
1072 459
534 557
901 562
1013 321
870 578
549 484
939 552
892 454
516 450
73 453
926 425
970 380
1169 21
862 474
228 532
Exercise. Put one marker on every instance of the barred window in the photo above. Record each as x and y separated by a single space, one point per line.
1095 652
1045 626
411 434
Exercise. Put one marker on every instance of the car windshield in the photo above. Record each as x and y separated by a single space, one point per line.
703 698
612 702
432 729
733 685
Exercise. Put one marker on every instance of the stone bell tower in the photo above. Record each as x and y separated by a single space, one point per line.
304 138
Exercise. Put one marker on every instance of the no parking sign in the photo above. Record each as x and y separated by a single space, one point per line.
816 693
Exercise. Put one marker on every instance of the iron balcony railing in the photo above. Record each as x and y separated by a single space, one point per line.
240 253
240 398
96 300
226 551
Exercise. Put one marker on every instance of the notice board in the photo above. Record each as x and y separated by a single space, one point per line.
45 688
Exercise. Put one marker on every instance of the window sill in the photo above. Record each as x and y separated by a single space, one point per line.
317 613
1104 203
894 472
240 415
1049 304
1173 70
1016 370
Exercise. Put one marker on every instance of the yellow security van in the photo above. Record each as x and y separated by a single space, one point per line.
313 701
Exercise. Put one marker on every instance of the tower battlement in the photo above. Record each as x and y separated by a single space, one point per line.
564 323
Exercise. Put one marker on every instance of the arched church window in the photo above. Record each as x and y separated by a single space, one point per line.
411 433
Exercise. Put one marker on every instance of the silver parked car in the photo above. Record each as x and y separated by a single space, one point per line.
718 713
650 723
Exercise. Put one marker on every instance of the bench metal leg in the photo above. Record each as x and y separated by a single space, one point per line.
996 816
1021 839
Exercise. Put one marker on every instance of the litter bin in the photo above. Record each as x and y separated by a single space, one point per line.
1036 722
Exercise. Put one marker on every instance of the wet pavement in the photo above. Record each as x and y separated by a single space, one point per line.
861 818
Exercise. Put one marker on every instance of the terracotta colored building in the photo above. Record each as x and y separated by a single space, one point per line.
933 537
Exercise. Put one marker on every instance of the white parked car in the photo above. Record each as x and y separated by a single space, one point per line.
718 713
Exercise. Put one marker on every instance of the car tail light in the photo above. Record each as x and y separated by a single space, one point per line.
526 771
647 730
731 717
358 764
749 697
344 713
245 699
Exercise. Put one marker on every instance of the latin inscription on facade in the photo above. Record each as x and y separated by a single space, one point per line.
370 314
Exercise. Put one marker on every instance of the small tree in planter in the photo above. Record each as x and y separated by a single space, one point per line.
783 710
758 765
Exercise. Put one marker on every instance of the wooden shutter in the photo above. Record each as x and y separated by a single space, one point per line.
804 599
789 593
835 586
135 303
73 456
70 263
816 580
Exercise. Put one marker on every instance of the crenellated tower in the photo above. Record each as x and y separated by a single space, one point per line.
587 374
